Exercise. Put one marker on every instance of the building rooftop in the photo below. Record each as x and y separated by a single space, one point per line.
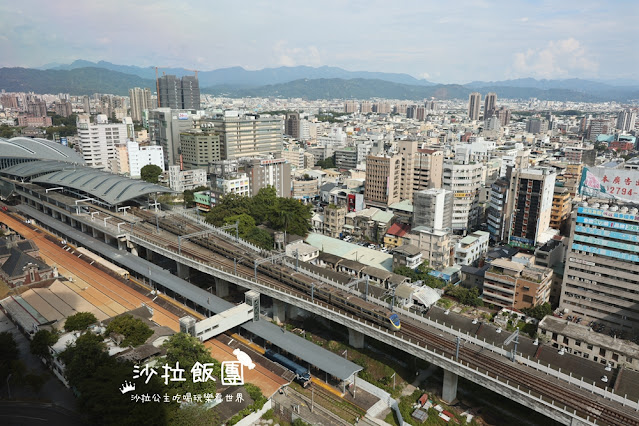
405 206
37 149
398 229
350 251
110 188
586 334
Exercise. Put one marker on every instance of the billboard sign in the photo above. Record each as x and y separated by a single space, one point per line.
64 141
610 183
183 116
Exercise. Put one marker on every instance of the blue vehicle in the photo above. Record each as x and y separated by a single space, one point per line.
302 375
394 320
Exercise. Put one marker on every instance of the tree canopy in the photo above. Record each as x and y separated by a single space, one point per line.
189 197
150 173
421 273
8 355
466 296
265 208
328 163
80 321
539 311
187 350
41 342
134 330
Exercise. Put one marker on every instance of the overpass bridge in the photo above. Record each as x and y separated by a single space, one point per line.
555 394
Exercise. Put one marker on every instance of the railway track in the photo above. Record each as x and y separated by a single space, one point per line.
584 404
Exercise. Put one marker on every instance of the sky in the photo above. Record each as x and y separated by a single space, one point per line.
441 41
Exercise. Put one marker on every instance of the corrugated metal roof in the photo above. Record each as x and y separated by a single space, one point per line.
33 168
323 359
38 149
113 189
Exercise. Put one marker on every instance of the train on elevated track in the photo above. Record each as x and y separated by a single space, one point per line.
324 292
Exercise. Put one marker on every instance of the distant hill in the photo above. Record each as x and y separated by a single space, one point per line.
238 76
366 89
84 81
81 81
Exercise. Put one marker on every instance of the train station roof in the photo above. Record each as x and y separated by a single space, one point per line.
37 149
29 169
110 188
321 358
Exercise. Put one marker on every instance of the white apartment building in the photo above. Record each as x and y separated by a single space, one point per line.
181 180
464 180
470 248
98 142
236 184
140 156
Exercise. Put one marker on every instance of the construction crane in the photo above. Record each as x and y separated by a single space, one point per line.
195 71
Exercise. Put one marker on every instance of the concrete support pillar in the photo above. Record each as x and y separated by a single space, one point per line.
149 255
95 232
83 227
121 244
449 391
182 270
134 248
73 223
221 288
355 338
279 311
577 422
107 239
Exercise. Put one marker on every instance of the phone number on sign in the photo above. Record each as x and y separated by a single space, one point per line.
618 190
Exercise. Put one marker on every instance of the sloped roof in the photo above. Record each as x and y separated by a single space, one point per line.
113 189
32 168
38 149
399 229
14 265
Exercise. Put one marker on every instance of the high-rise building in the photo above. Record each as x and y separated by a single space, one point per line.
165 126
366 107
532 205
199 149
490 105
496 213
190 92
351 107
626 120
427 169
602 265
503 115
383 180
474 102
433 208
98 142
464 180
275 172
292 125
63 108
537 125
248 136
561 204
37 109
170 92
140 156
178 93
140 100
597 126
514 284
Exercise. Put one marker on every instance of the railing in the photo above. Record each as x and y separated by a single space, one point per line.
607 394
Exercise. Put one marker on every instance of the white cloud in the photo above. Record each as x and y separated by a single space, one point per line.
424 75
560 58
293 56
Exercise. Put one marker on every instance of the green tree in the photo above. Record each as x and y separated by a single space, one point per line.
261 238
328 163
264 204
292 217
41 342
539 311
150 173
8 355
6 131
194 415
187 350
97 377
189 195
133 329
229 205
246 223
80 321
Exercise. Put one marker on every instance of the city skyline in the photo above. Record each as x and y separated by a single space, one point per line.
437 42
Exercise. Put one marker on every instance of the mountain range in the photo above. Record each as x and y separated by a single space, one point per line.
84 77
